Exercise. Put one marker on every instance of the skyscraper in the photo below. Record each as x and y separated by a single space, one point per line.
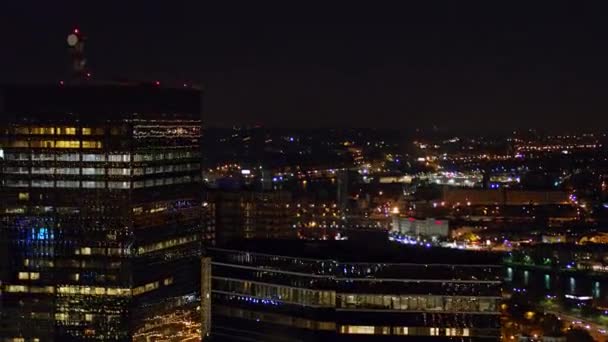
100 207
356 290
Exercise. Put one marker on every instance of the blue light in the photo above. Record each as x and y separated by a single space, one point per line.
41 233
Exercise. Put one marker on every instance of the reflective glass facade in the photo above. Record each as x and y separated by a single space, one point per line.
272 290
101 227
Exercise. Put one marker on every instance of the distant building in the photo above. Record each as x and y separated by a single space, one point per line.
277 290
420 227
252 214
461 196
100 211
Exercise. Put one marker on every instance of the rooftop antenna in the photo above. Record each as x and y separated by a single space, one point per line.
76 42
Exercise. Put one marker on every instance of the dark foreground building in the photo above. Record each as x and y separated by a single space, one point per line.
277 290
100 210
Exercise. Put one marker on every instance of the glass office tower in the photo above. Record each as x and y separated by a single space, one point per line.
100 207
278 290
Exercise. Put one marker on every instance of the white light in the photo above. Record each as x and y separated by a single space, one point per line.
245 172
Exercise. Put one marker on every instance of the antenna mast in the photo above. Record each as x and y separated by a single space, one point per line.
76 42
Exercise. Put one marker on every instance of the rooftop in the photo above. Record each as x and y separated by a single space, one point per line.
359 251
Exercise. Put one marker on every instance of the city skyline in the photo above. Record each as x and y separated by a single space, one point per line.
168 174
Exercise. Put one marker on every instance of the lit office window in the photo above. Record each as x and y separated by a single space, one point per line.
93 157
38 183
119 172
93 171
43 156
67 171
68 184
66 130
68 157
358 329
91 144
43 170
42 130
67 144
119 185
119 158
93 184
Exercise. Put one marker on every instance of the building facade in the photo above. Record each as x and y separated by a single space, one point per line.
428 227
277 290
100 208
252 214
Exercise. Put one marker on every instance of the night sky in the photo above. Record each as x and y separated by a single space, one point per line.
456 67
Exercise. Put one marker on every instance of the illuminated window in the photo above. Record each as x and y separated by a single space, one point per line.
43 156
400 331
24 275
43 170
93 171
88 317
168 281
22 130
42 130
68 157
91 144
68 184
357 329
34 275
119 171
119 157
60 316
43 143
67 144
38 183
85 251
66 130
86 131
75 276
24 196
16 288
93 184
119 185
93 157
67 171
434 331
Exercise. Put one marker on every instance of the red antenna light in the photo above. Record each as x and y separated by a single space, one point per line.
76 30
60 82
157 83
88 74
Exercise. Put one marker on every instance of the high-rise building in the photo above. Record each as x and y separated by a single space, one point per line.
279 290
252 215
100 208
